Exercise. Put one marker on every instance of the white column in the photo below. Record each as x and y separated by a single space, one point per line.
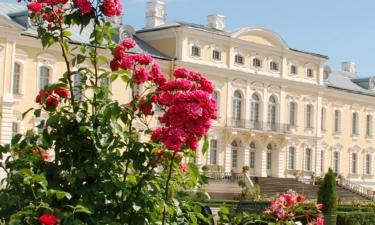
281 159
318 132
247 104
229 102
265 105
184 52
263 162
246 156
282 112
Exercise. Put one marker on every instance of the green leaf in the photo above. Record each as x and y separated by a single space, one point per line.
37 112
82 209
206 145
16 138
62 194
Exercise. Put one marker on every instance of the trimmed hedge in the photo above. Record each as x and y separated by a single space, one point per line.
355 218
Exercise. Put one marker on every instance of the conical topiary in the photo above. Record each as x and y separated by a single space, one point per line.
327 195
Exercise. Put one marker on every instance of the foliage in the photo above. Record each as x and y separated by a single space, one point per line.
245 169
355 218
89 164
327 193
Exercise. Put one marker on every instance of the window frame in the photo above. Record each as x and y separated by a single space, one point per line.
216 55
274 66
40 86
368 164
237 57
369 126
292 158
309 116
308 159
195 49
237 106
256 62
309 73
355 123
19 78
293 70
354 163
213 151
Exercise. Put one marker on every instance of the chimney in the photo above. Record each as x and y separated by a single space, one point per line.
216 21
155 15
349 67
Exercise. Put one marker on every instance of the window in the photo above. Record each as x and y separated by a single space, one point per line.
237 106
238 59
234 154
269 160
308 159
213 152
77 89
293 114
274 66
309 73
292 158
44 76
368 164
17 78
323 120
322 161
216 96
355 124
254 110
309 116
257 62
354 163
336 162
272 113
15 129
337 125
195 51
369 126
252 155
216 55
293 69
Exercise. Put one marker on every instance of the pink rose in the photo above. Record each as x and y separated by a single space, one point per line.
35 7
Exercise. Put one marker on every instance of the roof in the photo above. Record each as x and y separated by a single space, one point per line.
18 13
344 81
174 24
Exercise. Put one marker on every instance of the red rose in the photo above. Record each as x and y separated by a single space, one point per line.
35 7
48 219
62 92
42 94
51 102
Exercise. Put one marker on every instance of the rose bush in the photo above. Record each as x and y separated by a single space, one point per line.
88 163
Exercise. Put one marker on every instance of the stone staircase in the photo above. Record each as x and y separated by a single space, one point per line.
271 187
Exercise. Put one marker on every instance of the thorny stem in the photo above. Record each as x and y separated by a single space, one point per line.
167 188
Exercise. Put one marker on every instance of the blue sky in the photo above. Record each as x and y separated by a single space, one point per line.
342 29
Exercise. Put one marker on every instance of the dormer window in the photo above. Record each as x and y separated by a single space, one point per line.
257 62
238 59
293 69
274 66
195 51
309 73
216 55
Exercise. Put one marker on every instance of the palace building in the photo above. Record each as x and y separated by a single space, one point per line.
282 111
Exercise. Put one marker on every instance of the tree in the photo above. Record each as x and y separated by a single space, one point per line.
101 172
327 193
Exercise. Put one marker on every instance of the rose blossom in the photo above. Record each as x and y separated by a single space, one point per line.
84 6
128 43
48 219
51 102
35 7
62 92
183 167
112 8
320 221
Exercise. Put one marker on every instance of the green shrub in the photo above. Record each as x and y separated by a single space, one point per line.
355 218
327 194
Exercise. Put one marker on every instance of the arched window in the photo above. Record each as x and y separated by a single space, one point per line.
293 69
269 157
308 159
257 62
309 73
337 123
309 116
254 111
368 164
354 163
369 126
323 120
44 76
293 114
355 124
274 66
272 113
292 158
336 161
77 88
216 55
234 154
237 106
252 155
17 78
213 152
238 59
216 96
195 51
